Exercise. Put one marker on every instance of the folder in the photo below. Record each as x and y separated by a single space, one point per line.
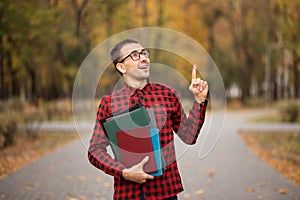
128 129
134 119
154 134
161 163
134 145
151 115
124 111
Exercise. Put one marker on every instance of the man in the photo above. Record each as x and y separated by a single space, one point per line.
133 63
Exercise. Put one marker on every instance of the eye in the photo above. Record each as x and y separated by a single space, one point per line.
135 54
145 53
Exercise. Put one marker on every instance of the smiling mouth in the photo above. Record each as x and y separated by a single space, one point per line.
143 67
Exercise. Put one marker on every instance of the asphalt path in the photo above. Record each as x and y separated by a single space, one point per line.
229 170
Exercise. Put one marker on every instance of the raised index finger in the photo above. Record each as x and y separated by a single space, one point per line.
194 72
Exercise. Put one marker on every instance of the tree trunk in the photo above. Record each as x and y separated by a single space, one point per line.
32 91
108 18
1 60
78 9
160 23
1 69
145 13
296 70
241 42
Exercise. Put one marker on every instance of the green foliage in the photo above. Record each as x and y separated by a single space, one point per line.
290 111
43 43
14 114
32 121
287 143
57 110
8 128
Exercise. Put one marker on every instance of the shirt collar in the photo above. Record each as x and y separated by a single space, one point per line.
132 91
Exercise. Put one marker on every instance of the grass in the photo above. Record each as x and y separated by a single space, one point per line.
271 118
281 150
275 118
25 150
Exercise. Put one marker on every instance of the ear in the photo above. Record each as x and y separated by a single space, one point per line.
121 67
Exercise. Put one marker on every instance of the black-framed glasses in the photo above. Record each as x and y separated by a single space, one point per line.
136 55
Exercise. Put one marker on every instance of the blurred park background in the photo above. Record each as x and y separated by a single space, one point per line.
255 44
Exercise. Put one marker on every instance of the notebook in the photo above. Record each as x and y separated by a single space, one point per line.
134 145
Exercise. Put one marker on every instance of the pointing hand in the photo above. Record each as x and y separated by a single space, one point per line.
198 87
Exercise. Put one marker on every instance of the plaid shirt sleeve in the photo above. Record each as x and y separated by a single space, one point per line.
97 153
188 128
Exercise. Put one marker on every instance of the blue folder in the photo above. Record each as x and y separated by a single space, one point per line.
154 134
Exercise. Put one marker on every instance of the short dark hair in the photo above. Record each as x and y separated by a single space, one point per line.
115 51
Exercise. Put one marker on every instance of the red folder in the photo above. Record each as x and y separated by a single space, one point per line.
134 145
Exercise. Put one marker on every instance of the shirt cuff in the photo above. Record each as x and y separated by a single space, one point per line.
204 103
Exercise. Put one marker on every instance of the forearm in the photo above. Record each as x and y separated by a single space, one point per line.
190 127
97 152
99 158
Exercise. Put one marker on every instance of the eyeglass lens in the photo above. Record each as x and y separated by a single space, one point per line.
136 55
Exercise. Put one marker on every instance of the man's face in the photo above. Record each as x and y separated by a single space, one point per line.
136 70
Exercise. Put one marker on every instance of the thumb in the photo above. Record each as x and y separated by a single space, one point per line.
144 161
141 165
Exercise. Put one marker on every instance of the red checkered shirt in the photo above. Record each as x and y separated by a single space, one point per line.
170 118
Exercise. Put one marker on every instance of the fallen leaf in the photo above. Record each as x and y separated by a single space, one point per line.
199 192
107 184
250 190
50 194
186 196
29 186
261 184
82 178
260 197
98 179
282 191
211 173
71 198
82 197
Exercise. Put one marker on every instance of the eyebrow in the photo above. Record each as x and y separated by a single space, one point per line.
137 50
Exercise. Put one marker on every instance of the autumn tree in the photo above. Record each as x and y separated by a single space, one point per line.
290 29
43 43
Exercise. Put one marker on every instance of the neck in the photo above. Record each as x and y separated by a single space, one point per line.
138 84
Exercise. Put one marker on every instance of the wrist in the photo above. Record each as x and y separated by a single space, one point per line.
202 101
